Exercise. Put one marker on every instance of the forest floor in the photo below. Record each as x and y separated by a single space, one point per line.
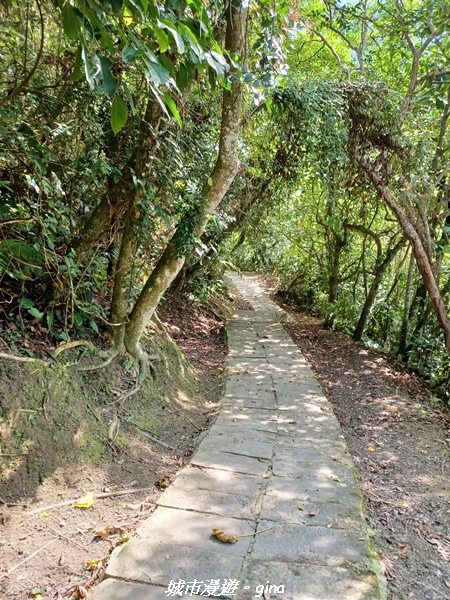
49 548
399 443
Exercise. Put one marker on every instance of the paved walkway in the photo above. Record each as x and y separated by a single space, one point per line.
275 458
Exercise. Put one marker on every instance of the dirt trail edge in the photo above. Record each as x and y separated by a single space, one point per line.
275 459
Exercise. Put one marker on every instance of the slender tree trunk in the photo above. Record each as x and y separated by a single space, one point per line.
214 190
424 262
115 202
333 278
403 337
373 290
130 237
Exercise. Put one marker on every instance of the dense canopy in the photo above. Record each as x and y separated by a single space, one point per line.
148 146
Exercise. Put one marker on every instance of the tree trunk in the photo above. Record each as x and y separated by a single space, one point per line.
214 190
98 223
424 262
373 290
334 279
403 337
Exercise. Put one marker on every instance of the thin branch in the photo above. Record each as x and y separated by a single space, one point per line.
28 78
22 562
9 221
333 52
95 496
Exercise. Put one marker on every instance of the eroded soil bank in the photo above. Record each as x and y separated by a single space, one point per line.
66 434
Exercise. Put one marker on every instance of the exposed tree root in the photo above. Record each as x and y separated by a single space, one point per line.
69 345
127 394
22 358
108 361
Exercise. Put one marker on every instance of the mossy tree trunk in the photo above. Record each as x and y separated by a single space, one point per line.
214 189
116 201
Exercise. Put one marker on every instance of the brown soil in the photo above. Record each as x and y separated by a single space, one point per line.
55 551
400 446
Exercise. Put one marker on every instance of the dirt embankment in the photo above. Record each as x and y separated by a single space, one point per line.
66 433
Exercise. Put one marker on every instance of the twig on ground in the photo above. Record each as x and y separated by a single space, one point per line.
215 387
193 424
377 499
153 439
254 533
64 537
22 562
96 496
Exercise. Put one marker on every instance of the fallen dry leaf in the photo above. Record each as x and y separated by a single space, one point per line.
229 538
370 448
81 592
162 483
85 502
103 533
107 531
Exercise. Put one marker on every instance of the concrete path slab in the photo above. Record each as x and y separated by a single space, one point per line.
275 459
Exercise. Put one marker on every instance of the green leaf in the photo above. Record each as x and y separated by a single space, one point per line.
170 26
119 114
88 69
94 326
110 83
158 74
129 54
26 303
71 21
77 72
193 41
163 40
173 108
34 312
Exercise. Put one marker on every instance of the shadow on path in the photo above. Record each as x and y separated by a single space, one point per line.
275 459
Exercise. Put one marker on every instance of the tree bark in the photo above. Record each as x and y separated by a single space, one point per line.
214 190
380 271
403 337
423 260
115 201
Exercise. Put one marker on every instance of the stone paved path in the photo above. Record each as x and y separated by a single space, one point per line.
275 458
